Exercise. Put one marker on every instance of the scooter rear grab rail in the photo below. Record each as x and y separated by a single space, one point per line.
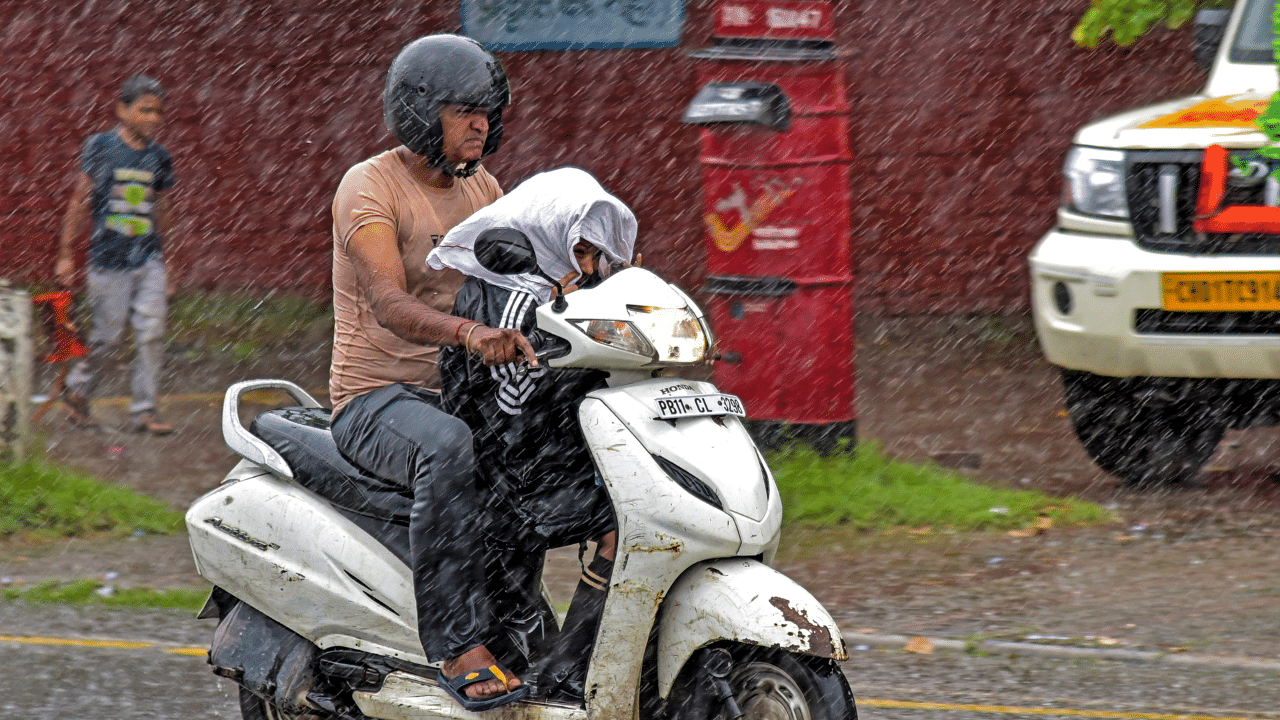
246 444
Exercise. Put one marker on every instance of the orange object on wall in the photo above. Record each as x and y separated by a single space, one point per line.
1212 217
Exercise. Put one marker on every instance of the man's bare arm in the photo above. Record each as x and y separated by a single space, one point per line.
379 270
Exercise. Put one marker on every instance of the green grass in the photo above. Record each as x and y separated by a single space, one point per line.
41 501
867 491
91 592
48 500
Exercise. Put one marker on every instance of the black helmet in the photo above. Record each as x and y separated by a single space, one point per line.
436 70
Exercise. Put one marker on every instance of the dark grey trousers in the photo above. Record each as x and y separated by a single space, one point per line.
400 434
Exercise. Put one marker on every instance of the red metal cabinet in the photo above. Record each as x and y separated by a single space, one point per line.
775 162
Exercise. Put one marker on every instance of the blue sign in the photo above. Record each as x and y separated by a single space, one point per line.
573 24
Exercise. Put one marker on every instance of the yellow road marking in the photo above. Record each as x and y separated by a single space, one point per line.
76 643
193 652
1014 710
120 644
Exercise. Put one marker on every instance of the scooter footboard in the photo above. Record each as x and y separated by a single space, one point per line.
745 601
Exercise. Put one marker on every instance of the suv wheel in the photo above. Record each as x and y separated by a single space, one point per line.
1136 430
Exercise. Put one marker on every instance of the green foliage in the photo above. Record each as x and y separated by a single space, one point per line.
866 490
1127 20
92 592
51 500
1269 121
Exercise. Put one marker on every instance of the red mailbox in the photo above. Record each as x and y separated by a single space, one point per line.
775 159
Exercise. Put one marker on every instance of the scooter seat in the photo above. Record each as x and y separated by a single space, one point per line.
302 437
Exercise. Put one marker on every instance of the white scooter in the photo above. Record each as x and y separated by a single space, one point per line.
317 608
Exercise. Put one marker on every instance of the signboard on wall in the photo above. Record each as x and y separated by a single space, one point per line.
573 24
775 19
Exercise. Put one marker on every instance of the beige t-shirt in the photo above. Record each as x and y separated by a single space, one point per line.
383 189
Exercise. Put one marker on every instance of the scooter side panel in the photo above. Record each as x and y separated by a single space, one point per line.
288 553
662 530
718 450
744 601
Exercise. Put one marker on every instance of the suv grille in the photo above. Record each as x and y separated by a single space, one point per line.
1170 322
1163 186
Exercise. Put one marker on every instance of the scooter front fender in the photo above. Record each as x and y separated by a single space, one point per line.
744 601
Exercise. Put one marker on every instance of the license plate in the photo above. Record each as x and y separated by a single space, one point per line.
1220 291
674 408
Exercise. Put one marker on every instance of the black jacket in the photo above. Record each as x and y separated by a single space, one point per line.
533 470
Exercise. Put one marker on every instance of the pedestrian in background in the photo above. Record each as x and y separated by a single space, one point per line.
123 188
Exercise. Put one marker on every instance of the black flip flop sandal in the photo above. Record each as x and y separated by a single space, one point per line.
458 683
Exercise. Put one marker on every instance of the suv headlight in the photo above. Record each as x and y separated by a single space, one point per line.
664 335
1094 182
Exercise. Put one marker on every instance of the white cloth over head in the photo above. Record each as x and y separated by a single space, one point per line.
554 209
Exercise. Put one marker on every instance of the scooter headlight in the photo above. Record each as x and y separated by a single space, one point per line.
664 335
676 333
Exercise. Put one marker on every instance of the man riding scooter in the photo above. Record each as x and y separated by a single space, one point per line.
443 100
318 610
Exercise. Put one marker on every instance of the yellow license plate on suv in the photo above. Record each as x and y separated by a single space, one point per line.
1210 292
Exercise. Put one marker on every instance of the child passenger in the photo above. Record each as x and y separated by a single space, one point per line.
535 477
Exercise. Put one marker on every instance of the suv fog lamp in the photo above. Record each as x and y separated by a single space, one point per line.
1062 298
675 332
1094 182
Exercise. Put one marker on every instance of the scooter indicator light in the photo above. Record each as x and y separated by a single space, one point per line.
618 334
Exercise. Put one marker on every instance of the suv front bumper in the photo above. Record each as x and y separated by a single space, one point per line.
1107 279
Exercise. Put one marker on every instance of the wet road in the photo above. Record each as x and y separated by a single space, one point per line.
954 686
152 666
107 665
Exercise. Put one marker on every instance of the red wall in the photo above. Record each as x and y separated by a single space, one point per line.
962 112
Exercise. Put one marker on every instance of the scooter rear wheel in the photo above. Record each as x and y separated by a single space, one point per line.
767 685
253 707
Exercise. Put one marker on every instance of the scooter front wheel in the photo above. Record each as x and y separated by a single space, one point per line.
764 684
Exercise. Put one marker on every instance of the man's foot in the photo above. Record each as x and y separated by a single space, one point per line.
78 409
476 659
147 422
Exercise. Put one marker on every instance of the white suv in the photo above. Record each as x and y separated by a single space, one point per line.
1166 335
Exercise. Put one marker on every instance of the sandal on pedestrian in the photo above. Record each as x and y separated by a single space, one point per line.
147 422
457 685
78 412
